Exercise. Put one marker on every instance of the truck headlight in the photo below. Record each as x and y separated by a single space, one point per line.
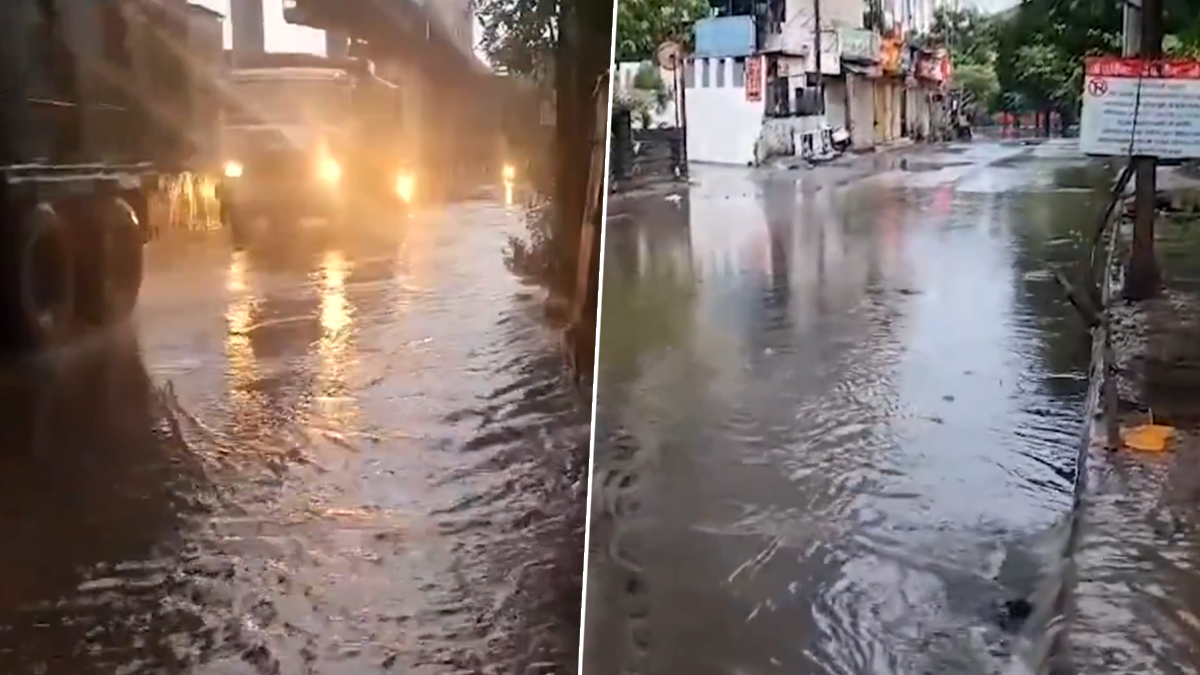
509 172
406 186
329 170
233 169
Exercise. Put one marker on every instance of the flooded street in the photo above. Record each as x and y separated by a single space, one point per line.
836 426
336 457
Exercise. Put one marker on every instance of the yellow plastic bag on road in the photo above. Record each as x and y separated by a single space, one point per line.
1147 437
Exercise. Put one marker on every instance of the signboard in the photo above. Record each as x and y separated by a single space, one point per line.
932 67
890 55
754 77
1163 96
725 36
857 43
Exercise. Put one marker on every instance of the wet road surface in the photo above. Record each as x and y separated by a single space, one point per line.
350 456
837 427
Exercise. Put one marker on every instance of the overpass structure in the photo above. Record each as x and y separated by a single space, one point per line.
464 110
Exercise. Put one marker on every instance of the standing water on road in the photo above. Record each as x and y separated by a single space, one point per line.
351 456
836 416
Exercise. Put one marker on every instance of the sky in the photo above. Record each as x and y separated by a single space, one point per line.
281 36
990 6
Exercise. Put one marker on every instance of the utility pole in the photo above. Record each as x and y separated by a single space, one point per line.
1143 36
817 56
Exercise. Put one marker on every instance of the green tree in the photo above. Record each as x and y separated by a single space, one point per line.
642 25
969 37
649 95
979 82
1040 52
566 46
968 34
519 36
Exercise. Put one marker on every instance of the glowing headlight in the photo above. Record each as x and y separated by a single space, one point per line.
405 187
233 169
329 170
510 172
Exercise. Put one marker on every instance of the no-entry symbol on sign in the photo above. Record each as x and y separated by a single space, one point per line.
1097 86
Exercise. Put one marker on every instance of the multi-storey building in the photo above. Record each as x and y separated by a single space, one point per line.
764 81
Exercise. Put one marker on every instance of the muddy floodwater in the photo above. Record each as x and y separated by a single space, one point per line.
838 414
340 453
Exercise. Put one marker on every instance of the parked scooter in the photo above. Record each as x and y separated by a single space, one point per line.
962 128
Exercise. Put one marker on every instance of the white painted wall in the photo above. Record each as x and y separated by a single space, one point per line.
722 126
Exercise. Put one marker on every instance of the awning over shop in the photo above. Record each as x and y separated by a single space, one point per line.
862 68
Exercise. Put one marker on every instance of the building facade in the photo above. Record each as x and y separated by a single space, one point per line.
764 82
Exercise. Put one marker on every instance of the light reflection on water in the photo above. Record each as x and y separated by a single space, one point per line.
358 453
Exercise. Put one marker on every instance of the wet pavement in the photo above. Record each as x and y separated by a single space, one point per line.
838 414
1136 606
338 455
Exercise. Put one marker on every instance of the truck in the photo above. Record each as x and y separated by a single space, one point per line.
307 136
96 103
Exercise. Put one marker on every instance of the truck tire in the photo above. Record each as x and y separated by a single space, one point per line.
110 279
37 280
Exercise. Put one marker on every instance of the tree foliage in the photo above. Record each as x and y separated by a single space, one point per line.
519 36
524 37
647 97
642 25
1041 45
969 36
564 46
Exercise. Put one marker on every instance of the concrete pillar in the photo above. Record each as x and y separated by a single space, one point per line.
337 45
246 18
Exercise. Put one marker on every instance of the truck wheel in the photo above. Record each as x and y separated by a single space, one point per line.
110 279
37 280
119 266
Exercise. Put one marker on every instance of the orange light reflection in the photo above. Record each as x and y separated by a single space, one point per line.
335 348
242 369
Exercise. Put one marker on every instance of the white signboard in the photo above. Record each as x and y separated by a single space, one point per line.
1164 94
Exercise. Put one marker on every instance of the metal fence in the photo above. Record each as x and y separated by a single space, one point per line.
644 155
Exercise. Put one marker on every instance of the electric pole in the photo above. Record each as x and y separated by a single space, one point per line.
1142 275
817 56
